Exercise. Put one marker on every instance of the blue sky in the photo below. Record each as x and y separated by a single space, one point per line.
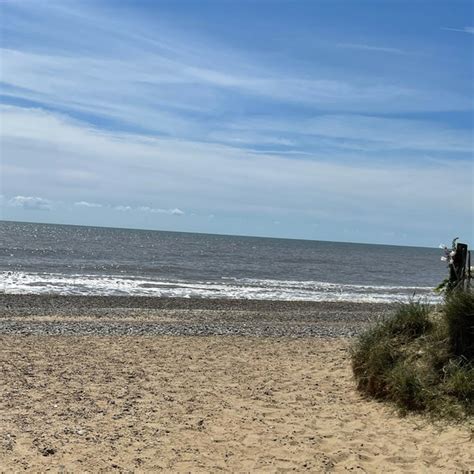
328 120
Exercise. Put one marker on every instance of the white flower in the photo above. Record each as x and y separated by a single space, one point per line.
444 259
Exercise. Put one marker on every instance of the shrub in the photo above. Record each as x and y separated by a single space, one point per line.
459 314
372 358
376 351
410 321
459 381
405 387
421 360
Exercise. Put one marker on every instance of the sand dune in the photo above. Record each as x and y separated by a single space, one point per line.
204 404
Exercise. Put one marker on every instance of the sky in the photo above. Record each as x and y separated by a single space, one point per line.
342 120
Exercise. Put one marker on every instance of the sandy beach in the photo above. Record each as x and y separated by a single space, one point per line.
77 399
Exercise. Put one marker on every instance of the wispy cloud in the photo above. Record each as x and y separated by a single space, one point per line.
464 29
368 47
183 174
150 93
180 83
356 132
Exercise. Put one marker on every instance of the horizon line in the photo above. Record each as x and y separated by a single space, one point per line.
215 234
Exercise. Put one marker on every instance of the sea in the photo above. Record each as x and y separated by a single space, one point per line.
77 260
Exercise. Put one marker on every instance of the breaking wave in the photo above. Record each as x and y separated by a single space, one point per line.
230 288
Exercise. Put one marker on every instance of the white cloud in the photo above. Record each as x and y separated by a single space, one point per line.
115 89
154 210
176 212
87 204
367 47
153 77
363 132
31 203
122 208
465 29
206 177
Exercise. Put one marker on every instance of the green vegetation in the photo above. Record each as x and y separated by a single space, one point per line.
421 359
459 311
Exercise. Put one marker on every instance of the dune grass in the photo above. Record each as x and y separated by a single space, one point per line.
421 359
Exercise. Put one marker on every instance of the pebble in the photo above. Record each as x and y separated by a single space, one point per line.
147 316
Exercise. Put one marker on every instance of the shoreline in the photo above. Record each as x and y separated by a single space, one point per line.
171 302
139 316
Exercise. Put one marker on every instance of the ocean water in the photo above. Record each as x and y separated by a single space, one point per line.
43 258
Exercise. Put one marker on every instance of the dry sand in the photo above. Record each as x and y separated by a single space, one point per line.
204 404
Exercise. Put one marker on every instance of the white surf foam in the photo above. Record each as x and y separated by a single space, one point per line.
245 288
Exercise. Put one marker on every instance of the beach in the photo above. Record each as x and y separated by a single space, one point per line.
97 384
149 316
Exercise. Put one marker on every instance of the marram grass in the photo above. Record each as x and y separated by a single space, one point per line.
421 360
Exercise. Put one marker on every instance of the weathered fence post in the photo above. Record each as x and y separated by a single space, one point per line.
457 269
469 275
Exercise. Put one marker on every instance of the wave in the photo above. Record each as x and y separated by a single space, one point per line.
227 287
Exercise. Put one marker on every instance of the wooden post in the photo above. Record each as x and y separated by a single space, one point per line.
469 276
457 270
